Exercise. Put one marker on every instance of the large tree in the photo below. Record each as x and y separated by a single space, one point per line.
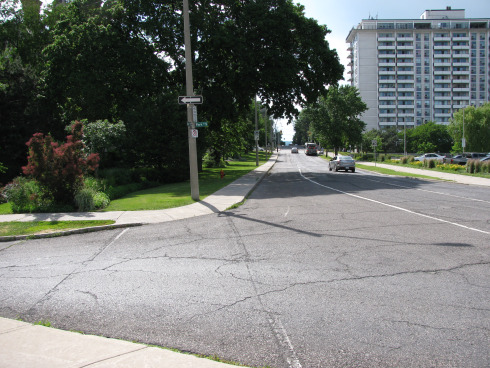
429 137
336 117
476 128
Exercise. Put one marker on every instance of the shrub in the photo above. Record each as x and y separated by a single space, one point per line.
382 158
58 168
432 164
88 199
25 195
101 200
84 200
404 160
470 166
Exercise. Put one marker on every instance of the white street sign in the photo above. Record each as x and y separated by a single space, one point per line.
194 133
190 100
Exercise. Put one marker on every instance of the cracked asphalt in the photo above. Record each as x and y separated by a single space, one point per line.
316 269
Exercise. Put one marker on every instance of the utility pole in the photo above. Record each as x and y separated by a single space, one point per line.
256 134
190 115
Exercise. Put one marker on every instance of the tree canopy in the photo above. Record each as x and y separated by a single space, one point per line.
476 128
335 119
123 60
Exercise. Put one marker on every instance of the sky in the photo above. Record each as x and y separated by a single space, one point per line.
340 16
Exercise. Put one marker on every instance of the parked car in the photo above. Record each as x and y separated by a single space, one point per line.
464 157
294 150
485 159
429 156
342 163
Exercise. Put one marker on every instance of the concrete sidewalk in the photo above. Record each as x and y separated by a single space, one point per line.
462 179
23 345
26 345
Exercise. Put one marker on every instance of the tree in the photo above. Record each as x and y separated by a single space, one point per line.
429 137
335 118
476 129
302 128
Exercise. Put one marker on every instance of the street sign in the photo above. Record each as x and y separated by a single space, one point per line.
463 143
201 124
194 112
256 135
194 133
183 100
374 142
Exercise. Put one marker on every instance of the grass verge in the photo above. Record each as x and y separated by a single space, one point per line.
42 227
179 194
393 172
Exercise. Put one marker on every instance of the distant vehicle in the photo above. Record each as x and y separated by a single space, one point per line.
294 150
342 163
485 159
310 149
429 156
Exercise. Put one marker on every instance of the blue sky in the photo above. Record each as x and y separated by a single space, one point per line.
340 16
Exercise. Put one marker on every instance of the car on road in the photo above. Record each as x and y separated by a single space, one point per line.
294 150
429 156
342 163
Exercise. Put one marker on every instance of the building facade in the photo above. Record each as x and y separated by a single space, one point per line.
409 71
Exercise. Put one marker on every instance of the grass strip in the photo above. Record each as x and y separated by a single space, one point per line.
179 194
382 170
40 227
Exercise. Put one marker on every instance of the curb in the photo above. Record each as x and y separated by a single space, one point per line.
67 232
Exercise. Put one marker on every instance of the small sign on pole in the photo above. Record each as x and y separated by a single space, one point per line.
256 135
183 100
194 133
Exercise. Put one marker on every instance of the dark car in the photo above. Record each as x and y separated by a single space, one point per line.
463 158
342 163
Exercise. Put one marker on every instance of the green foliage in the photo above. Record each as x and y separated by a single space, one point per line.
88 199
25 195
429 137
58 168
476 128
335 119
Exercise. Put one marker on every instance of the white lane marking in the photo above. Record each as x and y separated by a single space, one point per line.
287 212
284 340
395 207
429 191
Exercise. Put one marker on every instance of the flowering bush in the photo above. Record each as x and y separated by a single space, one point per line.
59 169
25 195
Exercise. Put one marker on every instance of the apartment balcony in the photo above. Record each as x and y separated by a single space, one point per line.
442 56
386 90
442 98
405 98
400 63
442 47
404 47
461 72
461 47
446 63
386 72
405 114
382 47
444 89
390 115
463 39
442 39
350 48
386 98
387 64
412 89
404 39
461 98
405 106
461 89
404 72
442 115
460 105
442 72
350 56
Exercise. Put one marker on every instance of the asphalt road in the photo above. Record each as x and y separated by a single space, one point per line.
316 269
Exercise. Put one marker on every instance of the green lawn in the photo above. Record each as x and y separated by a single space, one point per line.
392 172
179 194
38 227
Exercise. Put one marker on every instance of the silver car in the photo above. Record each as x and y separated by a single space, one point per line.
342 163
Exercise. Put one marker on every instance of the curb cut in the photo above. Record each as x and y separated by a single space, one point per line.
67 232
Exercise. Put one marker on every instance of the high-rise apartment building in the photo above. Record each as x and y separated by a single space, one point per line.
410 71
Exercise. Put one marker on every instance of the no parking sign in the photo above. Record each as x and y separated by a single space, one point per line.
194 133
